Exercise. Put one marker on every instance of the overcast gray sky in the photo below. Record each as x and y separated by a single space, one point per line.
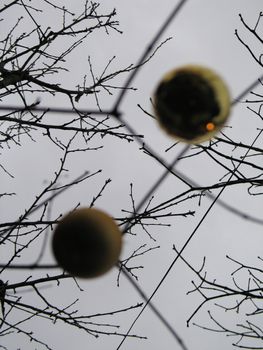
202 33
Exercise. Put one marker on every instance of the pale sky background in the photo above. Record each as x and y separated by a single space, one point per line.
203 33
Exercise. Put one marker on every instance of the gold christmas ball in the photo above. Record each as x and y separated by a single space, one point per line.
87 243
192 103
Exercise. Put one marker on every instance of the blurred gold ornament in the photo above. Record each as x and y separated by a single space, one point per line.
192 103
87 243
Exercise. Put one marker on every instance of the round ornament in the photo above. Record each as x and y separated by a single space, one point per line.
87 242
192 103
